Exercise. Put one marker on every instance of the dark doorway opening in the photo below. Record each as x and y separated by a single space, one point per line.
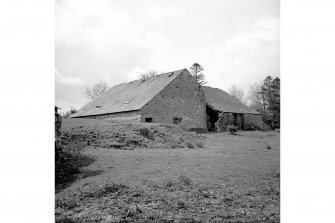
212 118
242 121
235 123
149 120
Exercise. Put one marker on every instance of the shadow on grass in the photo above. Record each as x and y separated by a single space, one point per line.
69 167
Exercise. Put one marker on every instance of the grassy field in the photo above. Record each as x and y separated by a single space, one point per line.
233 178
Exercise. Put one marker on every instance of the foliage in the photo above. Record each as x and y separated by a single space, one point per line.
199 144
197 72
267 116
173 145
189 145
69 113
148 74
254 97
263 127
68 161
232 129
96 90
237 93
250 127
225 120
265 98
271 91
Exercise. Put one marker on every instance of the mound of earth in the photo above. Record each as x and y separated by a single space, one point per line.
109 134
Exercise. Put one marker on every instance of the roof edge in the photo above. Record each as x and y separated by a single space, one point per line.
104 113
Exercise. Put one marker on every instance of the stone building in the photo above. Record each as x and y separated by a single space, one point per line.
223 110
173 97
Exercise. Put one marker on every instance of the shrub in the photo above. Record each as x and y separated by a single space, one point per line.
69 113
146 133
232 129
173 145
267 118
189 145
263 127
250 127
68 161
199 144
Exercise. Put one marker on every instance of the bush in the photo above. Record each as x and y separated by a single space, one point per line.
250 127
267 118
173 145
199 144
68 161
69 113
263 127
189 145
232 129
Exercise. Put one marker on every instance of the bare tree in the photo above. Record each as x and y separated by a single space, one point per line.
96 90
198 73
148 74
237 93
254 96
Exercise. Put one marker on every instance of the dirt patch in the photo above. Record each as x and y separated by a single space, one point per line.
126 136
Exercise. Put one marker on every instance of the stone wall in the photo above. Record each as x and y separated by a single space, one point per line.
182 102
243 121
224 120
133 116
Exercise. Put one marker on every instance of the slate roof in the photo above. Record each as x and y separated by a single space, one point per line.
222 101
128 96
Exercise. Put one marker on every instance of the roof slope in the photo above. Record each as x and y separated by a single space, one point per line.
128 96
222 101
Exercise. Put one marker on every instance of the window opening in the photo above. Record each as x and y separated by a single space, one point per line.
149 120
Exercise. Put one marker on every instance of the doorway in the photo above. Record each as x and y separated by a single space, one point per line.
212 118
241 121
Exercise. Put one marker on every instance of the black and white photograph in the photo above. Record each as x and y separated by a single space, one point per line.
167 111
180 111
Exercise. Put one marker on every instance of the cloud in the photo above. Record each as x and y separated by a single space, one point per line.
266 30
237 42
68 79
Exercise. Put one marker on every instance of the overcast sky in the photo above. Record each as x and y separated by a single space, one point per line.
235 41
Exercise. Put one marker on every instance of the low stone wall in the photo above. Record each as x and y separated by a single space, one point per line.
133 116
